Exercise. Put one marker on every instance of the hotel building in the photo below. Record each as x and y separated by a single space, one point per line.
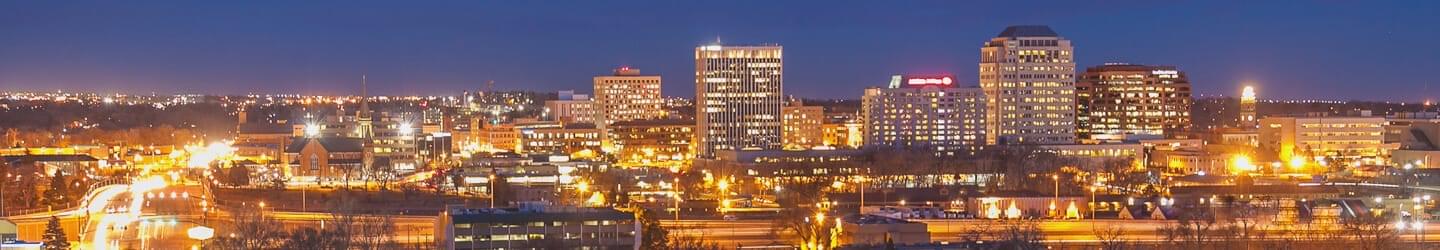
924 111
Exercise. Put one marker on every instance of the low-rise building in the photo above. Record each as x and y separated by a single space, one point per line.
262 142
645 142
1339 140
69 164
801 126
784 163
326 160
878 230
578 139
536 227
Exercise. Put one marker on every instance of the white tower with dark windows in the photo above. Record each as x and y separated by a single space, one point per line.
738 95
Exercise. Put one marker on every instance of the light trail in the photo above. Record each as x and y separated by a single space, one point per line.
101 239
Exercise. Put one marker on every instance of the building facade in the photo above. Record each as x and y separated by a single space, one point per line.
1248 118
570 139
536 228
647 142
1028 74
327 160
801 126
1336 140
924 112
571 108
1115 102
738 95
626 96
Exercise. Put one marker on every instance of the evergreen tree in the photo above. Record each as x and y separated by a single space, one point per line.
652 235
503 194
56 195
238 176
54 237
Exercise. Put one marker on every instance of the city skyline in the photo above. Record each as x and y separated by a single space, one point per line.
409 51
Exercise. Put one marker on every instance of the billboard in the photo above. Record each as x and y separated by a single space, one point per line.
917 81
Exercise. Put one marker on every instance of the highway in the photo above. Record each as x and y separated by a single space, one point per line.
760 232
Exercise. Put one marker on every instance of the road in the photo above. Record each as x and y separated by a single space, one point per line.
759 232
156 214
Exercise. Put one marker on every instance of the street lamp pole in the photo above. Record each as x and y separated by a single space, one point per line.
1093 192
861 182
676 191
1056 201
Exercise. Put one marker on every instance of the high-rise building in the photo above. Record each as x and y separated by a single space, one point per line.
738 95
571 108
626 96
802 126
926 112
1247 108
1116 102
1028 75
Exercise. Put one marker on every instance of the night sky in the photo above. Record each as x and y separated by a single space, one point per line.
1334 50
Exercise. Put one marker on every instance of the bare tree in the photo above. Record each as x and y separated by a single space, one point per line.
252 230
1111 237
353 229
1371 232
797 215
1022 235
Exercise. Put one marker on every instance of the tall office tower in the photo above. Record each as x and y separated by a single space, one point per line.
925 112
625 96
1116 102
801 126
1028 75
738 97
1247 109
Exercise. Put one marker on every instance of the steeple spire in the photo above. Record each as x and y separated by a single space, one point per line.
364 112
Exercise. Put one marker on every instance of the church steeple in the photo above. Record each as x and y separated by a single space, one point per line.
362 116
364 112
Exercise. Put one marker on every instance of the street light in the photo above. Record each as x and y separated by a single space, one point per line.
1092 202
860 181
1056 178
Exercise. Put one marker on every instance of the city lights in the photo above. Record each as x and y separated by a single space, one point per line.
1009 148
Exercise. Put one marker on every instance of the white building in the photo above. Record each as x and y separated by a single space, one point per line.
738 95
924 112
1028 74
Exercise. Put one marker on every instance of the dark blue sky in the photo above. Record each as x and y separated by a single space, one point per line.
1324 50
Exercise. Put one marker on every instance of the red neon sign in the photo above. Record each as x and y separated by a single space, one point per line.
923 81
